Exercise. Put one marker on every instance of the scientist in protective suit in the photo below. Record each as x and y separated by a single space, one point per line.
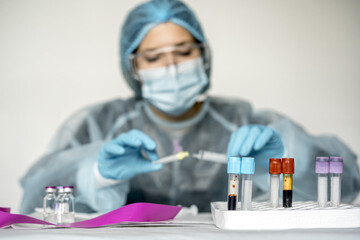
106 150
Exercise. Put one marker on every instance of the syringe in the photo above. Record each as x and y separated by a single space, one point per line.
210 156
201 155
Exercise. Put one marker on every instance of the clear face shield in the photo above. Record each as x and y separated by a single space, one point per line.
168 56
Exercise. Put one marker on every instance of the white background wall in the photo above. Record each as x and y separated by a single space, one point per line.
301 58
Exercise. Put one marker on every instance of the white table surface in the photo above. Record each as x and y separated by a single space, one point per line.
196 227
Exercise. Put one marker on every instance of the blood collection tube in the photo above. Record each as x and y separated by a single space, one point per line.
322 169
335 170
233 171
247 171
274 171
288 171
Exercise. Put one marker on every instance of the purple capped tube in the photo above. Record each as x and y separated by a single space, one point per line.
322 169
335 170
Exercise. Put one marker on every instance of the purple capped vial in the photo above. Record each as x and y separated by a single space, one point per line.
335 170
322 169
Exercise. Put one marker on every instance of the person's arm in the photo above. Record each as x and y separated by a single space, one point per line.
98 193
304 148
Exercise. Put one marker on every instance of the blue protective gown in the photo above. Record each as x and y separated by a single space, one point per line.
75 148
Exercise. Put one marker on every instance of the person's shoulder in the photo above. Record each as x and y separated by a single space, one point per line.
228 104
93 118
100 111
267 116
117 106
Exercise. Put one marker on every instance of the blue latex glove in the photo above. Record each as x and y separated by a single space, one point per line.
122 159
256 141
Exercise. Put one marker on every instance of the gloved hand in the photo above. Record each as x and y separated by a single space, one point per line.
122 159
256 141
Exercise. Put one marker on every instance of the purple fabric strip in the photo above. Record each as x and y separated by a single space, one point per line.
6 219
137 212
5 209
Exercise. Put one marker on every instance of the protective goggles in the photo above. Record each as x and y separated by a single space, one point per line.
165 56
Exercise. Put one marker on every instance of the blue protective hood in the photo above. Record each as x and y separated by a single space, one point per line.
147 16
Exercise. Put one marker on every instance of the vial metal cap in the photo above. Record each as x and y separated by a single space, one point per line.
247 165
288 166
275 165
50 189
234 165
68 189
336 165
322 165
60 189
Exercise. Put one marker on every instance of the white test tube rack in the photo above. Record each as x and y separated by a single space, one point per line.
305 215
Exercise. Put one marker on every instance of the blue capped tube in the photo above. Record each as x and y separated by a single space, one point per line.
233 170
247 171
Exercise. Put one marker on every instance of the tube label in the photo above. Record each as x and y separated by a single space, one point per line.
287 183
233 185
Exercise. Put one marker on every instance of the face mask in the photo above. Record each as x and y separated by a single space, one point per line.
174 89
